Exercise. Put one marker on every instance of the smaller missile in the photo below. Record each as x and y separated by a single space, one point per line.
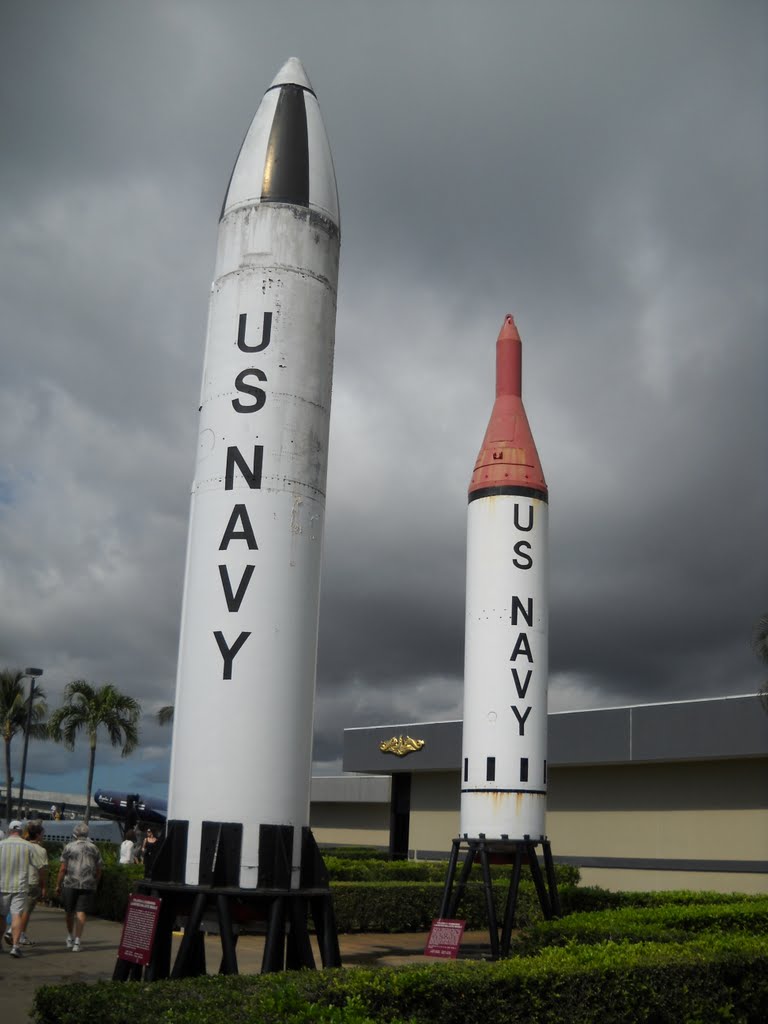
504 767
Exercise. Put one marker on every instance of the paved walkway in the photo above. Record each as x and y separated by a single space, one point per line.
49 962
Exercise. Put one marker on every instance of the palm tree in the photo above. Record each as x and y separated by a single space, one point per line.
760 647
13 718
85 709
165 715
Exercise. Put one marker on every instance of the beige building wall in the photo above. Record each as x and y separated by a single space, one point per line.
435 800
698 811
661 835
350 824
639 880
711 810
704 811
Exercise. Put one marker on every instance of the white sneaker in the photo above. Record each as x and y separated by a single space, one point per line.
8 937
15 951
76 946
70 942
24 941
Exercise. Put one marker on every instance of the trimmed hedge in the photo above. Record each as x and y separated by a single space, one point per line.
406 906
593 897
359 906
376 904
390 906
360 870
673 923
711 978
412 906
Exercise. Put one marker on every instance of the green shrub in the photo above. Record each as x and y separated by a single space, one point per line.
581 898
364 903
671 923
355 852
370 894
412 906
342 869
713 978
117 883
361 906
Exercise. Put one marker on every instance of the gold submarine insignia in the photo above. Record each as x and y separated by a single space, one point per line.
401 745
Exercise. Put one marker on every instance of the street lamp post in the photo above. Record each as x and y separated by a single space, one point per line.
33 673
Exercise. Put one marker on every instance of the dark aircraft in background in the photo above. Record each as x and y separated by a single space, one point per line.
131 808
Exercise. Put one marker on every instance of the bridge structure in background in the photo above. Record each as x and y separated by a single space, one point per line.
38 803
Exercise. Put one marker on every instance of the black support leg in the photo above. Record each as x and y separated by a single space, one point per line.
159 965
298 947
549 867
228 953
511 906
274 945
327 933
461 885
538 881
451 874
493 927
187 963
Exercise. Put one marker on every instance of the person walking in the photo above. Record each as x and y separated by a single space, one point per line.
79 876
15 856
128 847
149 849
38 877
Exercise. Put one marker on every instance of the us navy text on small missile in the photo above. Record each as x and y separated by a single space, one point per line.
522 648
252 473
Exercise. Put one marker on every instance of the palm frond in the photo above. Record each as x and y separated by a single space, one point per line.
165 715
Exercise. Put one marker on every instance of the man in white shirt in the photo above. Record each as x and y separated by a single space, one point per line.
15 858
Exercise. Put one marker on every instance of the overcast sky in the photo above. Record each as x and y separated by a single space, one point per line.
596 167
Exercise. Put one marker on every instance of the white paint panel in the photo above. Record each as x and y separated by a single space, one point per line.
242 746
248 173
322 179
506 559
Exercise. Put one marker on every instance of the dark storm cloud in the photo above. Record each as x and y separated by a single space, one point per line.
598 169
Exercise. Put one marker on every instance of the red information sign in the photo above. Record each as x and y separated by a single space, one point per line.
139 929
445 938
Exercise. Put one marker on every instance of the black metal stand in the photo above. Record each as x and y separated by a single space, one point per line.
515 852
280 911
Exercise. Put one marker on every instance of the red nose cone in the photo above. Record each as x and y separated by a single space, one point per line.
508 456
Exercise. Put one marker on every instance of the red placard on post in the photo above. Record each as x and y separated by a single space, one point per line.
139 929
445 938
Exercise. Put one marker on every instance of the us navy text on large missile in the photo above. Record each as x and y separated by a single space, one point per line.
239 527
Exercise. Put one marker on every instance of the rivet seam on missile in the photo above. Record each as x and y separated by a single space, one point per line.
526 792
523 492
295 85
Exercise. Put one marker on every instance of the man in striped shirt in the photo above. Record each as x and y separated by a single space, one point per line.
15 855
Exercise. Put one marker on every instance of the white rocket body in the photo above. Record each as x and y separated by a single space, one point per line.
504 763
244 708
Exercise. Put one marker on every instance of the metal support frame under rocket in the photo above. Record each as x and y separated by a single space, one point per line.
242 739
504 766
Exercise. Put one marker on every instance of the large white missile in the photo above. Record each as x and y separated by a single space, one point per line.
242 740
504 766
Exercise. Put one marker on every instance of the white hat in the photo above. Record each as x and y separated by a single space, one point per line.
16 825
